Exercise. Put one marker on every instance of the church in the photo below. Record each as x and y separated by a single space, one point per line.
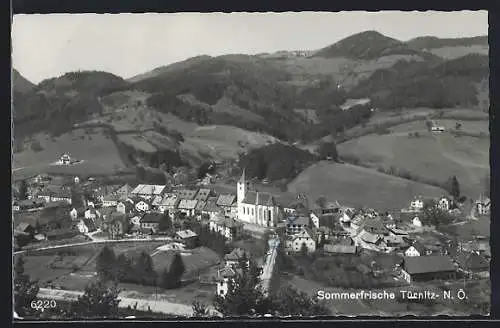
255 207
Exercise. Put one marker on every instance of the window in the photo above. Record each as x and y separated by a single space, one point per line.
252 211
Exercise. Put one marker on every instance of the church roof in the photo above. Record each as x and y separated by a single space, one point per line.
242 178
259 198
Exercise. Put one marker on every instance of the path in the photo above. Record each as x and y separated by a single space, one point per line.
157 306
268 268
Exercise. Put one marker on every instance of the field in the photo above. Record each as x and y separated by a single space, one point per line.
435 157
98 153
357 186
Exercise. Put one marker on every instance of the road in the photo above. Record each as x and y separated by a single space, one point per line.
157 306
268 268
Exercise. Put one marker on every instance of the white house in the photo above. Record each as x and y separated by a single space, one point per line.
305 237
147 191
92 214
416 222
187 206
135 221
417 250
443 204
73 214
438 129
417 204
224 275
82 228
124 207
236 257
483 205
142 206
110 200
168 204
255 207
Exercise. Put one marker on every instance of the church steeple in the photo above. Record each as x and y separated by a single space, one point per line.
243 178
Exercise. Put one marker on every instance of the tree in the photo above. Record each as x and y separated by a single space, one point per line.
289 301
23 190
458 126
321 202
100 300
25 290
165 279
434 215
165 223
455 188
328 150
123 268
303 249
176 270
429 125
144 269
200 309
106 264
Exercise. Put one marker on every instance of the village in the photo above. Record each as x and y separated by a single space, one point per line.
81 210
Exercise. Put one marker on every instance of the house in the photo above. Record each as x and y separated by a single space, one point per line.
62 195
224 275
25 228
185 194
472 263
151 221
416 222
124 191
135 221
255 207
370 238
117 226
236 257
73 214
200 205
92 213
394 241
187 206
483 205
142 206
124 207
65 159
438 129
211 209
443 204
110 200
156 202
328 208
226 226
426 268
375 226
296 242
417 204
168 205
202 195
82 228
228 203
340 249
417 249
186 237
322 234
28 204
147 191
295 224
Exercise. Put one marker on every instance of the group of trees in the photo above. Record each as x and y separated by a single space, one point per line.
433 215
211 239
328 150
141 271
276 162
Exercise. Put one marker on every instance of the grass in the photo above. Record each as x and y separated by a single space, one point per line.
357 186
429 156
137 142
194 260
98 153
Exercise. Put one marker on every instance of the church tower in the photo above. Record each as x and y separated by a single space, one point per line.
242 187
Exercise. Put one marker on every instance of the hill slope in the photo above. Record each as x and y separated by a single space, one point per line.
368 45
20 83
179 66
431 42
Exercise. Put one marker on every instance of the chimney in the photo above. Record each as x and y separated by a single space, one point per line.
257 198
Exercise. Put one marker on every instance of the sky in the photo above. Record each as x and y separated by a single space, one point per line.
45 46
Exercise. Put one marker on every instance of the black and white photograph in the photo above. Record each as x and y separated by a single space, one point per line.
257 165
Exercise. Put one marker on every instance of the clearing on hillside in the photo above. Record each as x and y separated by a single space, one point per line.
435 157
357 186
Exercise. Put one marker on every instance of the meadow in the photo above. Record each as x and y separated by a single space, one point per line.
357 186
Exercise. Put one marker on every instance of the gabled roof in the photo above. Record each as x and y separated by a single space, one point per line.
185 193
202 194
428 264
298 220
259 198
223 221
200 205
128 205
186 234
146 189
237 254
375 224
143 201
211 207
369 237
304 233
170 201
23 226
117 216
125 189
111 198
225 200
187 204
151 218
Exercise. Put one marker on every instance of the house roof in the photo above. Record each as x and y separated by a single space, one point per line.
147 189
117 216
157 200
151 218
225 200
202 194
23 226
211 207
111 198
223 221
143 201
170 201
342 249
428 264
185 193
128 205
187 204
89 223
259 198
375 224
186 234
106 211
304 233
237 254
200 205
125 189
471 261
369 237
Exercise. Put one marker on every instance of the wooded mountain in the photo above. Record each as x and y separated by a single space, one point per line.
197 88
431 42
20 83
